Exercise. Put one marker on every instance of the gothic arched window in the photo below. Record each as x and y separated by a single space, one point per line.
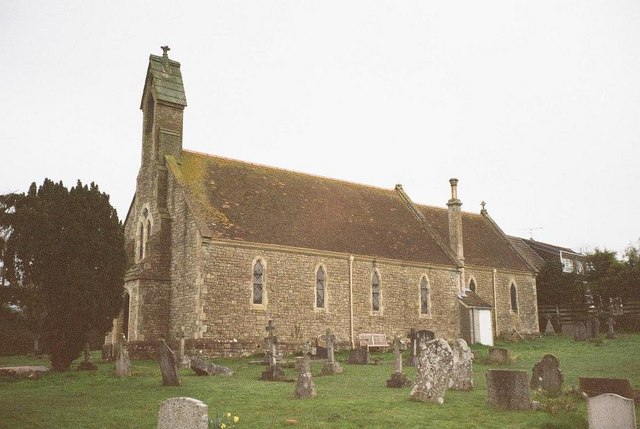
320 287
514 298
375 292
424 295
258 282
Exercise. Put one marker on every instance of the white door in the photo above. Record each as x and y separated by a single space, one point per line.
486 327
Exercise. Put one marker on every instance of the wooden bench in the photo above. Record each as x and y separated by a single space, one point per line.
373 341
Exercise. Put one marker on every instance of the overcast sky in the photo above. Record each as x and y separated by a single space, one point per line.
533 105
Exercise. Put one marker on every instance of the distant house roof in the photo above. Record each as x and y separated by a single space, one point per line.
529 253
551 252
166 79
242 201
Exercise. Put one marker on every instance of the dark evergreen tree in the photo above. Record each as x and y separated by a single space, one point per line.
66 248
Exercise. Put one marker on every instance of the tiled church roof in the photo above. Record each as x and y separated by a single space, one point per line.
254 203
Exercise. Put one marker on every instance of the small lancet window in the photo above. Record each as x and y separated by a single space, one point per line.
141 242
472 285
258 282
375 292
424 296
320 288
514 299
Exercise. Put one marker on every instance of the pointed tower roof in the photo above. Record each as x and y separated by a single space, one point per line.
165 78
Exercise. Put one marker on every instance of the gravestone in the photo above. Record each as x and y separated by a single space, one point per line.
498 355
611 411
359 356
508 389
305 388
549 327
462 371
594 386
201 367
168 365
569 329
183 360
546 375
434 366
123 363
610 324
86 364
593 327
273 372
183 413
331 366
398 378
580 332
30 372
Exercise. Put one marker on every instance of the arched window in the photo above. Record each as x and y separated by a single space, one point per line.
258 282
375 292
320 287
472 285
141 242
424 295
514 298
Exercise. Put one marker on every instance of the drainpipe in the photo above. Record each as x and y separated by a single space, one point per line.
495 304
351 300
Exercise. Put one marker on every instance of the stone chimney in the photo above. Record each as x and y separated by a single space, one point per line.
455 221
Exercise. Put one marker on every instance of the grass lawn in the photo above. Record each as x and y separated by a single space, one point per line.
358 398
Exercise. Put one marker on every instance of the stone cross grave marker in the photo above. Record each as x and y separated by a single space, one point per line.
183 360
546 375
305 388
611 411
462 372
434 366
168 365
123 363
331 366
610 324
183 413
508 389
398 378
273 371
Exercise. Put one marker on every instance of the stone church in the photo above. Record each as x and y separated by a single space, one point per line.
218 247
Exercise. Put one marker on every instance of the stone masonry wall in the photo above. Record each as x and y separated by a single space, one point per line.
290 278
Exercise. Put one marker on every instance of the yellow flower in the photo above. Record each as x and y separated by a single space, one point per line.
222 426
228 414
236 419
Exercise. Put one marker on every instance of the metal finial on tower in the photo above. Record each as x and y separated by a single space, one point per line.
165 51
483 211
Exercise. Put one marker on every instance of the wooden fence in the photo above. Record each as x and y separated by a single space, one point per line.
569 315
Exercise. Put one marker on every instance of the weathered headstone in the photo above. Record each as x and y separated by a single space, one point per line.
580 332
569 329
168 365
434 366
498 355
305 388
183 360
183 413
549 327
546 375
594 386
331 366
273 372
610 324
593 327
86 364
508 389
359 356
201 367
123 363
462 371
398 378
611 411
30 372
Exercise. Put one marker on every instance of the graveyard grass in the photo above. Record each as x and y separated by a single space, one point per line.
357 398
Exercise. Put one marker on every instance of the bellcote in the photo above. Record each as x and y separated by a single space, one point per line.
162 105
